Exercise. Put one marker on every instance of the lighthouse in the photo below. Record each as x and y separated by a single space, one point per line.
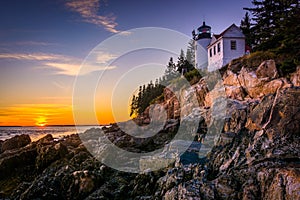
202 38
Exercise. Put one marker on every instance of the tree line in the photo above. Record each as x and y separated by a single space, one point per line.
273 25
150 92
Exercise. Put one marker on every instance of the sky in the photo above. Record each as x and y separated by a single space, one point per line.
44 43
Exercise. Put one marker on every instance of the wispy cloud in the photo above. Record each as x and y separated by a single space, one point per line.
29 43
65 65
70 69
32 56
104 58
88 10
34 43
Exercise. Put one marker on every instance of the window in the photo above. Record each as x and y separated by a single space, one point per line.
219 47
210 52
215 50
233 44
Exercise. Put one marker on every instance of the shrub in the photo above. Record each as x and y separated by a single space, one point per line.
193 76
253 60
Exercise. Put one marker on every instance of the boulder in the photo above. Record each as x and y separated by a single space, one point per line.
268 70
72 140
17 160
285 184
295 77
47 139
49 153
249 81
15 142
248 78
231 79
272 87
235 92
201 91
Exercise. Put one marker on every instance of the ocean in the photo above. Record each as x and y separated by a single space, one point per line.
36 133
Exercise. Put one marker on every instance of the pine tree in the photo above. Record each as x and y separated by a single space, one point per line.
133 105
246 28
170 71
181 62
276 28
269 18
190 53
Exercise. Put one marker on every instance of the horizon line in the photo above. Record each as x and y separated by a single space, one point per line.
57 125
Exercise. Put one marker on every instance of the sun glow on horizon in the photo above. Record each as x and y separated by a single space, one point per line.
39 115
41 121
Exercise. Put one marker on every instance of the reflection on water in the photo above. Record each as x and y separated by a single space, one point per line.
36 133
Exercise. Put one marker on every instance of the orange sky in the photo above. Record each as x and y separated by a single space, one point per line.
36 115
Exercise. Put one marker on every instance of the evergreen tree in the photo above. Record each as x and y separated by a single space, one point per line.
246 28
181 62
170 71
133 105
190 53
270 17
146 94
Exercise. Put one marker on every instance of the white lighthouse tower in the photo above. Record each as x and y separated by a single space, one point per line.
202 38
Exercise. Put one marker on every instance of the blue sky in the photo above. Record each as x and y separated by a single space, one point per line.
43 43
61 28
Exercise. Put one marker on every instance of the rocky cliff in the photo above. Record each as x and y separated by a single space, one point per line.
256 154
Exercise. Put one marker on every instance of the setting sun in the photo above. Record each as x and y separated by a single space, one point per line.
41 121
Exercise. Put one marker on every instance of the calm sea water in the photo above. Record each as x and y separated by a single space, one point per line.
36 133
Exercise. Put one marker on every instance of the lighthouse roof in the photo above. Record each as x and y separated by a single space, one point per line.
204 26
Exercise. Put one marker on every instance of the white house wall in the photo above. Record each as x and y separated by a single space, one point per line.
232 54
216 61
233 31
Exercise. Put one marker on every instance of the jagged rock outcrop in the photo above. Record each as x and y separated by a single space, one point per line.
256 153
260 163
295 77
250 83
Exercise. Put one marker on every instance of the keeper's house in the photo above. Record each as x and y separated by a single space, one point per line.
224 47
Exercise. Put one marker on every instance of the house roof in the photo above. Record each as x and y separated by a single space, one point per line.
221 35
232 25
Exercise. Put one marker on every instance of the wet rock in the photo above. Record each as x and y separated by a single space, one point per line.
15 142
16 160
84 180
189 157
1 142
47 139
49 153
72 140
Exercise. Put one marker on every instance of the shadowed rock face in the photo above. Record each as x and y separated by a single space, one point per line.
16 142
256 156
